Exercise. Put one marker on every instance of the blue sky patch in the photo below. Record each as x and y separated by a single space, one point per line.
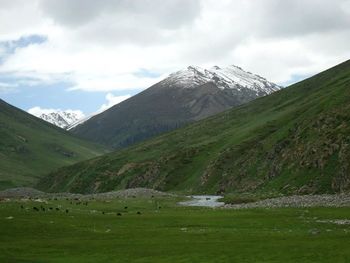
53 96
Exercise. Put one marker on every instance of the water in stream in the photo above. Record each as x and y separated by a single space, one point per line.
203 200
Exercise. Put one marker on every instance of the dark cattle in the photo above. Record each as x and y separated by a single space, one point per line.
125 207
67 211
50 208
43 209
57 209
152 196
138 212
103 212
119 214
22 207
159 207
35 208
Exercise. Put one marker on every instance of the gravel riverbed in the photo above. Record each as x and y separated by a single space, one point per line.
325 200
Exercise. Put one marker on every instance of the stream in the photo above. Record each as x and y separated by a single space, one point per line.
203 200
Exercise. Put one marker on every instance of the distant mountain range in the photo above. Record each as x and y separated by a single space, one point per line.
60 118
294 141
185 96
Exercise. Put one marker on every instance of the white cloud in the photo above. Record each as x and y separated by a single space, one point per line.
112 100
99 45
38 111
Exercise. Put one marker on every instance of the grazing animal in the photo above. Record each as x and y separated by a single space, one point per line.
35 209
138 212
57 209
119 214
159 207
50 208
22 207
43 209
67 211
125 207
103 212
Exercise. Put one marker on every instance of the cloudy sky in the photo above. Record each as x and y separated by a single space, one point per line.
87 55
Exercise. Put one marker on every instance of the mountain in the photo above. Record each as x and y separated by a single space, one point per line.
184 97
60 118
31 147
296 140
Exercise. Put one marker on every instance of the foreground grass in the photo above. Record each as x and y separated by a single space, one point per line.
169 233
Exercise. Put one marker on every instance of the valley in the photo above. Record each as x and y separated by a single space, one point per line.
174 131
156 229
294 141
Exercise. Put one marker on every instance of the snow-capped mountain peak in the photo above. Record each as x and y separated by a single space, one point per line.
231 77
60 118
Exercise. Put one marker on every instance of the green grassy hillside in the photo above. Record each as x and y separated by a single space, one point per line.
30 147
296 140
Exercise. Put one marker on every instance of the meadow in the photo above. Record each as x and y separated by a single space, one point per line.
158 230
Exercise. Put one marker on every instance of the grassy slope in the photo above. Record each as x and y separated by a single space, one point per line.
171 234
295 140
30 147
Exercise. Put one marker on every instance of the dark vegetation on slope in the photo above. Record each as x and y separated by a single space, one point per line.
30 147
296 140
157 110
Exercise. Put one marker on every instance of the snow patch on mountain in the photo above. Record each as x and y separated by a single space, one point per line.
231 77
58 117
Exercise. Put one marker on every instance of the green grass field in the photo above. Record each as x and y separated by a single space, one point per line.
169 234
